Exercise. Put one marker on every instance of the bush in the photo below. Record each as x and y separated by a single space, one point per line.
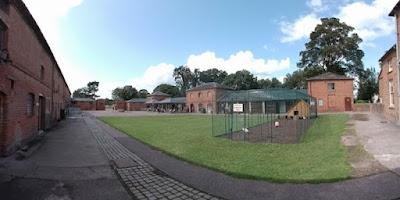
362 101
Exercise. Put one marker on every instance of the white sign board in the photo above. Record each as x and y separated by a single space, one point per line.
237 107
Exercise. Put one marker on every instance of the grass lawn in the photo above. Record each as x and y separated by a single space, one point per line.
319 158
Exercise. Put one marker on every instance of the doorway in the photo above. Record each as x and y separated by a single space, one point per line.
41 114
347 104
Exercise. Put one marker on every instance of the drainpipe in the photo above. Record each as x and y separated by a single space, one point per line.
398 68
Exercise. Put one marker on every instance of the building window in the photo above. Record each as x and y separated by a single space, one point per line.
390 65
320 102
199 94
331 86
41 72
191 96
30 102
391 93
208 94
2 37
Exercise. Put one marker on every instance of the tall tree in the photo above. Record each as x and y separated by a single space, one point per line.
213 75
368 85
87 92
264 83
126 93
168 89
333 47
182 76
275 83
241 80
92 88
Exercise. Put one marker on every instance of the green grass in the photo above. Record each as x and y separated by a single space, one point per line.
319 158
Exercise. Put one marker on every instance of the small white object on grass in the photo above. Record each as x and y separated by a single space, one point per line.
245 130
276 124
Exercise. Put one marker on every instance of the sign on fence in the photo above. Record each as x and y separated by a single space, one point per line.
237 107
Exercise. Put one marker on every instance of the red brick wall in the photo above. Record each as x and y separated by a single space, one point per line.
131 106
333 101
384 77
84 105
23 76
206 98
100 104
119 104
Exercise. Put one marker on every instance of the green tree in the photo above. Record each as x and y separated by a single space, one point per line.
79 93
213 75
333 47
368 85
183 77
275 83
241 80
264 83
87 92
168 89
126 93
143 93
92 88
109 102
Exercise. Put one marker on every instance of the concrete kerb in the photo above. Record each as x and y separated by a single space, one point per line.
382 186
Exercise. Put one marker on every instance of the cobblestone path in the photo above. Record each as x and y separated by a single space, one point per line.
142 179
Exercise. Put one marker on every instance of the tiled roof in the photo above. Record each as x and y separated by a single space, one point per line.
207 86
82 99
152 101
393 48
395 9
330 76
136 100
158 93
180 100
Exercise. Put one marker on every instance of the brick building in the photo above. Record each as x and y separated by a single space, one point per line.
388 84
33 91
203 98
389 76
159 96
136 104
334 93
88 103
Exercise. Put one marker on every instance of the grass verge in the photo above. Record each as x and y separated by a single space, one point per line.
318 158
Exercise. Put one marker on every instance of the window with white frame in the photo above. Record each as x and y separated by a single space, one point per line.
390 65
391 93
331 86
320 102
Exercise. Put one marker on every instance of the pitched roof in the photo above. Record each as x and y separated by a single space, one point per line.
180 100
152 101
137 100
330 76
395 9
158 93
82 99
211 85
263 95
393 48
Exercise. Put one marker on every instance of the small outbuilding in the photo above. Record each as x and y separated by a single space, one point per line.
334 92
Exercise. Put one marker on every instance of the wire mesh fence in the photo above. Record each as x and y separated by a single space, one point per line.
273 115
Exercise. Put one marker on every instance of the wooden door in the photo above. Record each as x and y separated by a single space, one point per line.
347 104
41 114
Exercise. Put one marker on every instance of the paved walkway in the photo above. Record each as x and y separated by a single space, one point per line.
143 180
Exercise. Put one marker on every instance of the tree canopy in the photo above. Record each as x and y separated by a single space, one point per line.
241 80
126 93
87 92
368 85
168 89
333 47
183 78
213 75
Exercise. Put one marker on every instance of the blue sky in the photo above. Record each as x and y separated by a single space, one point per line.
139 43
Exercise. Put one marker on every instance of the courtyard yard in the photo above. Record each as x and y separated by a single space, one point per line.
320 157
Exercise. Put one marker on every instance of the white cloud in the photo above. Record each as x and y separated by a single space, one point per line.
154 76
299 29
370 21
239 61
